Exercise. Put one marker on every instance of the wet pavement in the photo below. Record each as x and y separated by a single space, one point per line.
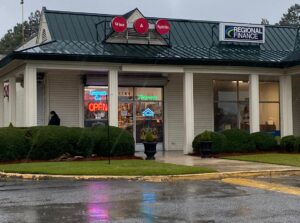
291 181
124 201
221 165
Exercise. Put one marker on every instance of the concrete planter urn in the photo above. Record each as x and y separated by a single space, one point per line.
150 150
150 143
205 149
206 144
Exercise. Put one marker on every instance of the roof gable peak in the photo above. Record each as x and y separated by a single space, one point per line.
133 15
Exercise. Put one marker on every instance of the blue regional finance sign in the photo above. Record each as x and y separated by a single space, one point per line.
231 32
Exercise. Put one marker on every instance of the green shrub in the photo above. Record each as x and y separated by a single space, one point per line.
85 144
238 141
31 132
264 141
149 137
218 141
50 142
14 145
121 142
297 145
287 143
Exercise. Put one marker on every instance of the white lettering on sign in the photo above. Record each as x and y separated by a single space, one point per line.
242 33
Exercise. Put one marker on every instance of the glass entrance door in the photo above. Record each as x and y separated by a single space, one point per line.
149 115
126 116
141 109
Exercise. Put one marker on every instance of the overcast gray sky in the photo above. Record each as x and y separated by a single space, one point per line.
246 11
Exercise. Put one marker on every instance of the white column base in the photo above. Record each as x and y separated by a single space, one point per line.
113 97
188 111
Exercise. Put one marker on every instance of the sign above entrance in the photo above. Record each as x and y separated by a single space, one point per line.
147 97
119 24
231 32
141 25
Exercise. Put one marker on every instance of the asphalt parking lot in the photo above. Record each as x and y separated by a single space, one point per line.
124 201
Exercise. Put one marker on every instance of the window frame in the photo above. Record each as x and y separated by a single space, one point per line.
238 102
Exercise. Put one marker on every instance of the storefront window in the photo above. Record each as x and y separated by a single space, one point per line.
141 109
125 93
269 107
231 105
95 106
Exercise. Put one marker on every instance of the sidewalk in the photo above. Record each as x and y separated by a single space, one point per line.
221 165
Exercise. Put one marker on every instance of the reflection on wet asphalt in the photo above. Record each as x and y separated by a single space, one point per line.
123 201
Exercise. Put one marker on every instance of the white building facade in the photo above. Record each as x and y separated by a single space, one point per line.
136 81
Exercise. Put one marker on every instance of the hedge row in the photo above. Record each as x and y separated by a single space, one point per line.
50 142
240 141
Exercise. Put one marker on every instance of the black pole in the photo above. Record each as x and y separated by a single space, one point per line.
108 133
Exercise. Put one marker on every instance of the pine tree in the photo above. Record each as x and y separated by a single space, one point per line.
13 38
291 18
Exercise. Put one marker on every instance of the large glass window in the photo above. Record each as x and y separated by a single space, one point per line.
95 106
231 105
269 107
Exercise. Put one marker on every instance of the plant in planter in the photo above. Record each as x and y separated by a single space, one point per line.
206 144
150 142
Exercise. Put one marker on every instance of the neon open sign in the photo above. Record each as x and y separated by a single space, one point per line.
93 107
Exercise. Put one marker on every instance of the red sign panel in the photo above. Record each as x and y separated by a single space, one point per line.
163 26
141 25
119 24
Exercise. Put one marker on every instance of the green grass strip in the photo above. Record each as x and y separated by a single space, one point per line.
102 168
272 158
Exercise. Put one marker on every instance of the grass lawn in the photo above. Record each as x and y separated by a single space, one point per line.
117 168
273 158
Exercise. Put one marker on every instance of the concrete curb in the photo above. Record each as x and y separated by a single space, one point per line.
204 176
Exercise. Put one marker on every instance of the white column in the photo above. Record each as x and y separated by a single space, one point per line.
12 100
188 111
30 96
286 106
254 103
1 103
113 97
166 129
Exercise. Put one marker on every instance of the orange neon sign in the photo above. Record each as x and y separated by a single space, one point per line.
93 107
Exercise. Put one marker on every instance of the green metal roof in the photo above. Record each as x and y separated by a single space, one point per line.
74 37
